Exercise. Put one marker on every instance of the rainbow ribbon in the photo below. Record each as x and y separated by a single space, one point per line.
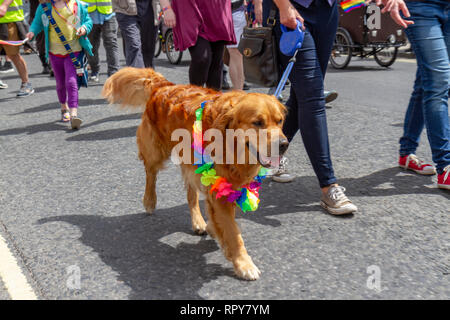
13 43
246 197
350 5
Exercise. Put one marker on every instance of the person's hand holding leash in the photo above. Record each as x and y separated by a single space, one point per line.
288 14
30 36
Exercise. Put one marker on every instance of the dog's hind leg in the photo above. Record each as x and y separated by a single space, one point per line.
153 157
221 222
198 223
149 200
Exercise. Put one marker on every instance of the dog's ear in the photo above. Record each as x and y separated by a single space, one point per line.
222 122
224 116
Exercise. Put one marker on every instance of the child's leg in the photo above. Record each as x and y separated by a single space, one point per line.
58 69
71 86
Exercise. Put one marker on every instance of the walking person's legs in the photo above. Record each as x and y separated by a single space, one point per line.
57 64
236 65
414 120
109 34
215 72
71 84
148 31
132 39
307 100
13 53
94 60
236 69
430 39
200 62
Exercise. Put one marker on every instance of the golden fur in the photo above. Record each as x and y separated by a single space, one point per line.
169 107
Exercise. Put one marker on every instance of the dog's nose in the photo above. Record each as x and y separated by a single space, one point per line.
284 144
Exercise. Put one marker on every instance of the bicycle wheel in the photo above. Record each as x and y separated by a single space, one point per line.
342 49
386 56
158 46
174 56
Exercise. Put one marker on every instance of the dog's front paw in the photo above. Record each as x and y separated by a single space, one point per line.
149 205
246 269
199 228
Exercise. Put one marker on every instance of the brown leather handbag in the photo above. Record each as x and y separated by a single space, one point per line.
259 51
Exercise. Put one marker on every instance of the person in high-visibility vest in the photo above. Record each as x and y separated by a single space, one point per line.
12 28
105 25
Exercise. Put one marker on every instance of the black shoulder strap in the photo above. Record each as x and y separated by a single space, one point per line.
273 12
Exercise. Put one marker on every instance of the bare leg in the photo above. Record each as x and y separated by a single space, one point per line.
236 69
21 67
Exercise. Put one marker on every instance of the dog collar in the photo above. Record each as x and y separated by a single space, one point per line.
246 197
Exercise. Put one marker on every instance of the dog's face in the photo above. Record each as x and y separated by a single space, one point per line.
257 120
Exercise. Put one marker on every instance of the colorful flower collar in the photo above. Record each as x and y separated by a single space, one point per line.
246 197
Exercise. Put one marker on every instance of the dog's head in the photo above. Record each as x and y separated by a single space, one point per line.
253 128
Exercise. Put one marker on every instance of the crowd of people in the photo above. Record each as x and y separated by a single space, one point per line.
210 30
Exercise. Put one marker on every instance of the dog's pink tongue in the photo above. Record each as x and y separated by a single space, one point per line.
275 161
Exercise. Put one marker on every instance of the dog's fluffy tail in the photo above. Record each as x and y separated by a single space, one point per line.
132 87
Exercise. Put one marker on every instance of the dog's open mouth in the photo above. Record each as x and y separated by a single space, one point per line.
267 162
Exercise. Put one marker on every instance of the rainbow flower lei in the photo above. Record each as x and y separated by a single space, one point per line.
246 197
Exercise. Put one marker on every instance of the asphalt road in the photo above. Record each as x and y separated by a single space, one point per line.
70 203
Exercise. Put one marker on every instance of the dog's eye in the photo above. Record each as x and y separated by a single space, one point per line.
258 123
280 122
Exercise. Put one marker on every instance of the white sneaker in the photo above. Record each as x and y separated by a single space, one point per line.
280 174
94 78
336 202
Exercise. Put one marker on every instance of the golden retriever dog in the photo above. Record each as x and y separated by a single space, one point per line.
168 107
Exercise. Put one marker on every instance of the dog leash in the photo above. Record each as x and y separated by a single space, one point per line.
290 43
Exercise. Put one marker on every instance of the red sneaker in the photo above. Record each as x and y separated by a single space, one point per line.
411 162
444 178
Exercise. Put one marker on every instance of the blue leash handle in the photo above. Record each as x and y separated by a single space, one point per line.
290 43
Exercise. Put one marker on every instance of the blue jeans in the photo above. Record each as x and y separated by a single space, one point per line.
428 106
306 104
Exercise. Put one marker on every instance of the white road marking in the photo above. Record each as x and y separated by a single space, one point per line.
15 281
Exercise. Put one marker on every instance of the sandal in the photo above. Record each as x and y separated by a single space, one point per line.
65 115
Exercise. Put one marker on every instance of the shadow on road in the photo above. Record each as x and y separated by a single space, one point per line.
129 116
36 128
303 194
55 106
58 126
133 245
108 134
